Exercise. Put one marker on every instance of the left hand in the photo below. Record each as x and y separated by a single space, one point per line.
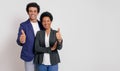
58 35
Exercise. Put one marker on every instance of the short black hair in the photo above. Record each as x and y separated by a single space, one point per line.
46 14
32 4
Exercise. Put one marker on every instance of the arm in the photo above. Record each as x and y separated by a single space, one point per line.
59 44
59 39
19 33
38 48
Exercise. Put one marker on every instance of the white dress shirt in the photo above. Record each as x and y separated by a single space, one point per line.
35 27
46 58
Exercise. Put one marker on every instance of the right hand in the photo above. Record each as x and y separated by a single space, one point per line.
54 46
22 37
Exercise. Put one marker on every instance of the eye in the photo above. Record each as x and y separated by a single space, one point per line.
35 10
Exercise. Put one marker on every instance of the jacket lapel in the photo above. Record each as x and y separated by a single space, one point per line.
30 27
51 37
43 39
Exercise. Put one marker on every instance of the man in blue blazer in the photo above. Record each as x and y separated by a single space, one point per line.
26 35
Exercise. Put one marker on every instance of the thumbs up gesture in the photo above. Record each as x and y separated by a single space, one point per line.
58 35
22 37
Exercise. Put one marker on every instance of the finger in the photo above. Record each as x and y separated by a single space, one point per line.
58 29
56 42
22 31
22 36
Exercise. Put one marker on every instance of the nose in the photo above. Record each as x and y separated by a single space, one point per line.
33 12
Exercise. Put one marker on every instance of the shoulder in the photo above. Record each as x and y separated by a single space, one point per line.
40 32
25 22
54 30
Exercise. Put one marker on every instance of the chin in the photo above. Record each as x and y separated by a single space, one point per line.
33 18
46 28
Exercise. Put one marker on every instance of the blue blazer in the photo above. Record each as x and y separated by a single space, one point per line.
27 52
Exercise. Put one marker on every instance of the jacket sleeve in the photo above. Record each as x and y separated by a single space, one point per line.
38 48
19 33
59 44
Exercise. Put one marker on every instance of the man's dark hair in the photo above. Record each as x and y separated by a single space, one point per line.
46 14
32 4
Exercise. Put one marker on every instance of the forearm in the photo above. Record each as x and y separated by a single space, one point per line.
59 44
18 42
39 49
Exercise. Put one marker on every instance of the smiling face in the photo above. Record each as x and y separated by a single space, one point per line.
32 12
46 22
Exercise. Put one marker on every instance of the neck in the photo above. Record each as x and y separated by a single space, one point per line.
47 31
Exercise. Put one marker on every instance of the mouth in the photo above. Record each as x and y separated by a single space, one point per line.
32 15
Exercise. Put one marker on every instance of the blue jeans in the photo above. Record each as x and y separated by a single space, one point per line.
43 67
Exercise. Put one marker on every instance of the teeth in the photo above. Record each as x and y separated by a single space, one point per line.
33 15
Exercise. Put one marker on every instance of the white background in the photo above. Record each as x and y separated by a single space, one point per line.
90 29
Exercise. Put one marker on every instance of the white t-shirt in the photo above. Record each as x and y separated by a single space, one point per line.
46 58
35 27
